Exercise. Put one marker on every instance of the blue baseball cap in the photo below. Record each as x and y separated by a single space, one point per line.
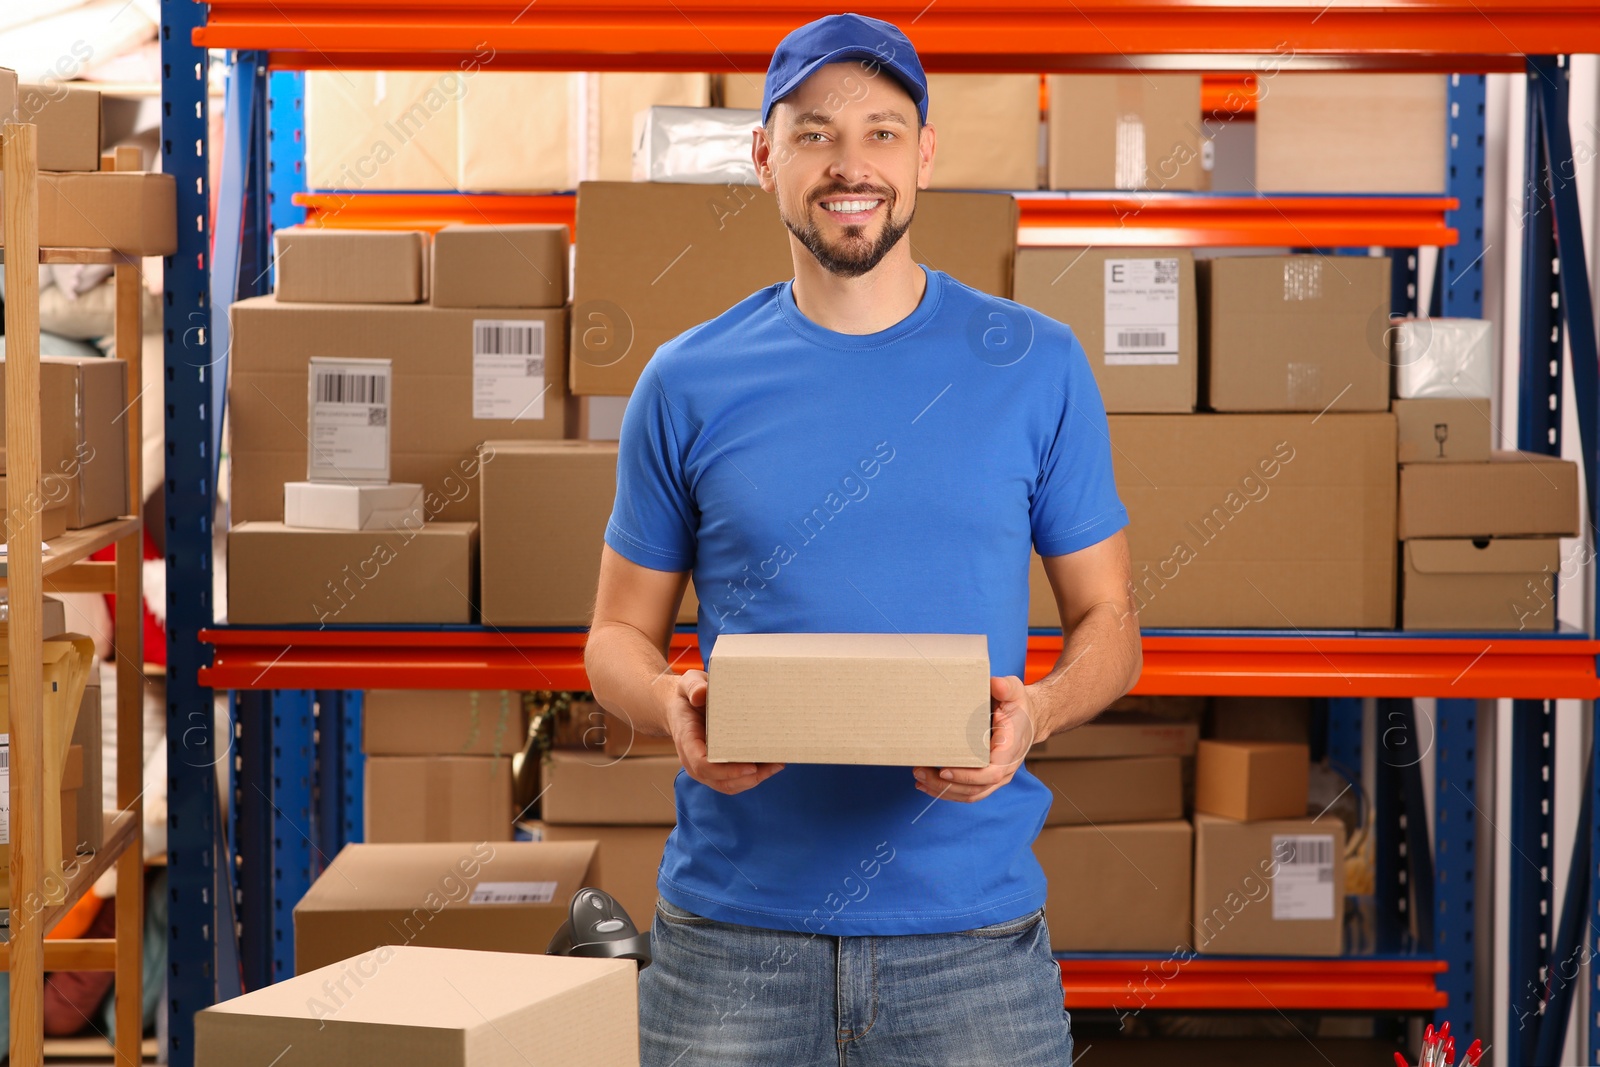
835 38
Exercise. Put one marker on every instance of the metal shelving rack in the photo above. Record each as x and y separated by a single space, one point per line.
282 675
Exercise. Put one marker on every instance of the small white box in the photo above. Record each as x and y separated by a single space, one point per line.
327 506
705 145
347 407
1445 358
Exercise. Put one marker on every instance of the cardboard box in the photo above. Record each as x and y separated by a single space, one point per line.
1437 430
418 1005
987 130
509 266
442 722
1488 584
556 495
1515 494
621 739
84 445
1252 780
906 700
130 211
68 121
703 145
614 99
1260 719
347 408
1259 520
657 258
588 787
1125 131
367 131
87 735
52 513
1296 333
1116 734
1368 133
1095 791
1132 309
282 575
8 94
518 133
438 798
1117 888
626 866
330 506
422 894
1269 888
336 266
436 425
1442 358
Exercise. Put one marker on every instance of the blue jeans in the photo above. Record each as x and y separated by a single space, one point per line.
726 995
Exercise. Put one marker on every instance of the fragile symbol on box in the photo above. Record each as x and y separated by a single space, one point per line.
1303 885
349 419
1141 312
507 369
513 893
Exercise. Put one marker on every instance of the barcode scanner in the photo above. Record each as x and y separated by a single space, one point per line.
599 928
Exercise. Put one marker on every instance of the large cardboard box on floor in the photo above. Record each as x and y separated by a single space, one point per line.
1271 888
434 895
1134 312
379 130
1296 333
1444 430
453 380
1365 133
68 121
278 574
442 722
513 266
1501 583
987 127
1116 734
1514 494
1094 791
1126 131
656 258
1121 887
911 700
589 787
1252 780
626 866
83 444
1259 520
335 266
438 798
434 1006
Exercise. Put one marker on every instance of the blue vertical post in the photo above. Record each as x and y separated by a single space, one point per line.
290 752
338 773
1461 264
1531 904
353 779
251 816
1455 857
286 147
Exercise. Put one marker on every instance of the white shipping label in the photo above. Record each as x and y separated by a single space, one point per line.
513 893
5 789
1141 312
1303 886
350 421
507 369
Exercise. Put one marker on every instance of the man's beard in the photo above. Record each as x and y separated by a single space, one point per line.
854 258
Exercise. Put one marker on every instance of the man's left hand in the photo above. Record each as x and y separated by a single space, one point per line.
1012 730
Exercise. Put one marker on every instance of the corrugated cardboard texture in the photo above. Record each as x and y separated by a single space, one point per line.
1233 887
1443 431
282 575
375 130
1252 780
129 211
1094 791
1260 719
987 130
84 446
510 266
1119 733
1117 888
1259 520
438 798
53 514
433 437
1515 494
449 1008
1296 333
1125 131
420 894
337 266
910 700
544 508
590 787
1069 285
1368 133
68 121
442 722
658 258
618 97
626 866
1498 584
517 132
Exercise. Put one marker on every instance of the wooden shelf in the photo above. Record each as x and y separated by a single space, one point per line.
81 255
121 831
75 545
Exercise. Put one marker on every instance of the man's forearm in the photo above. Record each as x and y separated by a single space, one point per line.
630 677
1100 661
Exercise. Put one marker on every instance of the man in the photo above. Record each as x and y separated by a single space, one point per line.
868 448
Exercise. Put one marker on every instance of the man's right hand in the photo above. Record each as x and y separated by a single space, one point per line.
686 716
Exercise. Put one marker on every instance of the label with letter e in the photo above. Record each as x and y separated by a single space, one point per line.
1303 886
507 369
1141 312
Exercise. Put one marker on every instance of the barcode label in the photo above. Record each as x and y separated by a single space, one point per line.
1304 882
1141 338
507 338
1141 311
5 759
336 388
349 420
513 893
508 380
1298 850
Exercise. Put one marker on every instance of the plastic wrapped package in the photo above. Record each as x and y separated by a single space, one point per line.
706 145
1442 357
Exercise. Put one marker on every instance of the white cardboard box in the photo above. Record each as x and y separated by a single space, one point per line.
328 506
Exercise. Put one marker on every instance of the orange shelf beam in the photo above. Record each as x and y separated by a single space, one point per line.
951 35
1154 220
1188 983
1311 664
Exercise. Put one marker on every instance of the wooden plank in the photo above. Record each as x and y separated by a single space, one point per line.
25 575
85 576
74 545
81 954
82 872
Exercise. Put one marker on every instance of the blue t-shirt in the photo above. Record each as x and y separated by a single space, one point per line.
822 482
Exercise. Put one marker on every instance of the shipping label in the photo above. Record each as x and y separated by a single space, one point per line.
507 369
349 420
1141 312
1303 885
513 893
